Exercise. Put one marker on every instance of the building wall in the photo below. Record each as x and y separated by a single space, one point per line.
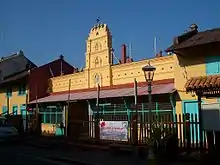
119 74
99 66
125 73
14 100
192 63
185 68
38 78
181 67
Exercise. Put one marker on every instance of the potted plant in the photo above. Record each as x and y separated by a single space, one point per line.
163 142
157 134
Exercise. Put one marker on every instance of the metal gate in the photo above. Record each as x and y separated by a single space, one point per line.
119 114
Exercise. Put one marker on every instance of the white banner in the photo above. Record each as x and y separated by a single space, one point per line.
114 130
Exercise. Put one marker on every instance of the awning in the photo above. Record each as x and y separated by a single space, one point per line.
202 83
110 93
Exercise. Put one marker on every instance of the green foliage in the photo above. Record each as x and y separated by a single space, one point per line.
158 132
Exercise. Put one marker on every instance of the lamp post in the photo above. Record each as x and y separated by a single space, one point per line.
149 75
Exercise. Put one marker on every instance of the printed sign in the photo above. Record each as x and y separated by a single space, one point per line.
114 130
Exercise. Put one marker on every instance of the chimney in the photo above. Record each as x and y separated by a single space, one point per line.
160 54
61 57
123 54
21 52
129 60
193 27
193 30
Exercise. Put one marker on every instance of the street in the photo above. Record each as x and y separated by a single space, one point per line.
11 155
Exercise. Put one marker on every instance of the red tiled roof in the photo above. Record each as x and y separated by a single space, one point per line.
111 93
205 82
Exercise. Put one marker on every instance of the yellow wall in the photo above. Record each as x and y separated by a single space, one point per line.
99 62
15 99
48 129
184 69
125 73
114 75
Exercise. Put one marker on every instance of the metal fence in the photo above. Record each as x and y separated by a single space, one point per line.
136 120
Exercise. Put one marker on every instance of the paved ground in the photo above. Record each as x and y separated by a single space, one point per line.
24 154
11 155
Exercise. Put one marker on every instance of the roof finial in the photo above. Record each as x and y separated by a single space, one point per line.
98 20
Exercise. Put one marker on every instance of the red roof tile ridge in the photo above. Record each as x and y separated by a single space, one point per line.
210 81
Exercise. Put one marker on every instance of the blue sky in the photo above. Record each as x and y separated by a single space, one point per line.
44 29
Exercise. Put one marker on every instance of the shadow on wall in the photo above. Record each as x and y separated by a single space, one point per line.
196 55
50 86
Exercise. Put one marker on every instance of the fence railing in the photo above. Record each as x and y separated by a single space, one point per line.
185 127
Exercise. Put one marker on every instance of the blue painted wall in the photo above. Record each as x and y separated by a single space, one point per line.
212 65
191 107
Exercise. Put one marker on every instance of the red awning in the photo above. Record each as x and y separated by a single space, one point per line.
111 93
157 89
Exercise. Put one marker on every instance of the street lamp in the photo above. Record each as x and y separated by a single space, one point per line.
149 75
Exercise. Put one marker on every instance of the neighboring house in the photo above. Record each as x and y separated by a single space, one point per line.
14 72
197 57
39 84
39 77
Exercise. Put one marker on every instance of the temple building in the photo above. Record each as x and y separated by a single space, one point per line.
77 93
116 81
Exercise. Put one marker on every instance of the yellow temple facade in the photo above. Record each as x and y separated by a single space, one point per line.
99 66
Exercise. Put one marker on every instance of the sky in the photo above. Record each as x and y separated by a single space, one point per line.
44 29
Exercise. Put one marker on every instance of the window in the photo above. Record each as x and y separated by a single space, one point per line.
23 109
213 65
9 92
15 110
22 89
96 47
96 62
4 110
52 115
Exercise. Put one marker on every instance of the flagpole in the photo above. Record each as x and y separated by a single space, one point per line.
136 112
67 109
36 110
97 132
